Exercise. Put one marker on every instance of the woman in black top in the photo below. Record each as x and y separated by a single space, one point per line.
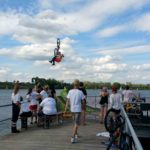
103 103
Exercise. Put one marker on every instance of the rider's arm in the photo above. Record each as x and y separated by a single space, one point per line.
55 51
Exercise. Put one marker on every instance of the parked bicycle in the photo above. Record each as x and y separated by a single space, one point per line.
118 138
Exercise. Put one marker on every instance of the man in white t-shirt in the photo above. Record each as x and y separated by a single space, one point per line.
75 98
48 106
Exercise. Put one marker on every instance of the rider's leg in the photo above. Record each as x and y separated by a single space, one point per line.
53 60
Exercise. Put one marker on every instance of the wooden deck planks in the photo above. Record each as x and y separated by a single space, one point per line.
55 138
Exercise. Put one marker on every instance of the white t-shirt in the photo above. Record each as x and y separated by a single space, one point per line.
33 98
49 106
44 94
25 106
15 98
75 97
127 95
115 101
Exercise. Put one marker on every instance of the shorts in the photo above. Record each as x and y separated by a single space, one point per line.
77 117
26 114
33 107
104 105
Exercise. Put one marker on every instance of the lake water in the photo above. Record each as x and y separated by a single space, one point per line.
5 112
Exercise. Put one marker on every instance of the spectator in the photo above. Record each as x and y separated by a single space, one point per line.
48 106
127 95
25 111
16 102
75 98
83 115
53 92
103 103
33 97
44 92
115 101
38 89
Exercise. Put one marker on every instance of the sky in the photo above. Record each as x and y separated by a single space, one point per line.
102 40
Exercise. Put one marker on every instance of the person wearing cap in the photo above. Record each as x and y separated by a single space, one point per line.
103 103
75 98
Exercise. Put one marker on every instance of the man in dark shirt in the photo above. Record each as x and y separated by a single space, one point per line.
84 104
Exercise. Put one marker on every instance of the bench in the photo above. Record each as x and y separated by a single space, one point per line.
24 119
48 119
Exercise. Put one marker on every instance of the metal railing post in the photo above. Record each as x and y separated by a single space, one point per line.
129 129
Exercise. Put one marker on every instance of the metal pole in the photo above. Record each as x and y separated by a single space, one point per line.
137 143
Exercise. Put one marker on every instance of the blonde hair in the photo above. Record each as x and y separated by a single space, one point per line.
76 83
16 88
46 87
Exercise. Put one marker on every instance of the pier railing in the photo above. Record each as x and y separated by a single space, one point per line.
5 112
134 142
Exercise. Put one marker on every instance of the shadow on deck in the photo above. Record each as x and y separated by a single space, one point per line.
55 138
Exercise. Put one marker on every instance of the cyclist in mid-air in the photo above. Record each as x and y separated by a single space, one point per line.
57 54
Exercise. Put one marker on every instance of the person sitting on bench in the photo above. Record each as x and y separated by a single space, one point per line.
25 113
47 109
47 106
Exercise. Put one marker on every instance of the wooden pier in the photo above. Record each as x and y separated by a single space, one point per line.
57 137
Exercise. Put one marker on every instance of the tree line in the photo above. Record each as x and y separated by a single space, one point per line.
53 83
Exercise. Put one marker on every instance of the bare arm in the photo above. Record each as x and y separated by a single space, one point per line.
66 106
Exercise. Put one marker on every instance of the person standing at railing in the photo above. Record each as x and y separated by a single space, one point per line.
16 103
127 95
103 103
115 102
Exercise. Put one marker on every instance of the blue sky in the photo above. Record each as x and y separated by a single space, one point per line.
102 40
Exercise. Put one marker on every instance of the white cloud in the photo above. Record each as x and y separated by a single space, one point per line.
142 67
9 22
110 67
3 71
111 31
8 74
49 23
143 24
4 52
44 4
126 51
